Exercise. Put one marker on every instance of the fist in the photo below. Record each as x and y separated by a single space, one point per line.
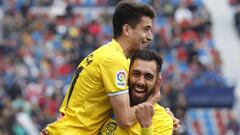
144 113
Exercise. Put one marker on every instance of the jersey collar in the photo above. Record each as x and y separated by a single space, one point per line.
117 46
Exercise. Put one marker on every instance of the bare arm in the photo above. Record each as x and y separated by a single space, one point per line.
125 115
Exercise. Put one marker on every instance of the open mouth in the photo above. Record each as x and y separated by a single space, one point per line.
139 91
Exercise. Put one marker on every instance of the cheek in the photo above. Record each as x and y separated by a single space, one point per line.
132 80
143 34
139 35
150 85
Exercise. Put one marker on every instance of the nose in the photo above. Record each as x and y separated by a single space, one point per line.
149 36
141 81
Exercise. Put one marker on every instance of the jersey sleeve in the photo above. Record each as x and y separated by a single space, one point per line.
114 72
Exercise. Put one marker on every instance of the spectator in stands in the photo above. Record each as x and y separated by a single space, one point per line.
183 14
237 20
233 127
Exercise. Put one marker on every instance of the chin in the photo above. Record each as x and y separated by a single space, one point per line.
137 100
143 46
134 102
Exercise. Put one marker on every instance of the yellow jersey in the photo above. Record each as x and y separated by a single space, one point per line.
86 106
162 124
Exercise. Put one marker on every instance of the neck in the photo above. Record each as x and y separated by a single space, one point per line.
127 49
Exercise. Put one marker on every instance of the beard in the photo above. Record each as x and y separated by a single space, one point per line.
134 100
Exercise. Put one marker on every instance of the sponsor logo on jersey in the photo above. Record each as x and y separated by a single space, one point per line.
109 129
121 79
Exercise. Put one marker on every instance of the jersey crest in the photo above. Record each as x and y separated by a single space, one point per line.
121 79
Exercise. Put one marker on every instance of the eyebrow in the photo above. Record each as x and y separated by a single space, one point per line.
150 74
138 71
148 26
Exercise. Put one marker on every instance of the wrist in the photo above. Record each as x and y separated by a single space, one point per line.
146 124
147 131
151 100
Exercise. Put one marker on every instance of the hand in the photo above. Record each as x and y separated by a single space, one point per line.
144 113
176 122
156 91
44 132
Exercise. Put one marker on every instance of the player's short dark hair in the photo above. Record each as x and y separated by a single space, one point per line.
148 55
129 13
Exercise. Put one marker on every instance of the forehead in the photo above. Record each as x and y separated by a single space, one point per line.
144 66
145 21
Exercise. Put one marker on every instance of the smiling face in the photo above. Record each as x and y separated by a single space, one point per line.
141 35
142 78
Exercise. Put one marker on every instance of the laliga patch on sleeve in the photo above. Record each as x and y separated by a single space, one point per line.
121 79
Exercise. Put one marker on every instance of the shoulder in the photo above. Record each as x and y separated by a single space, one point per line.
162 121
109 53
162 115
111 56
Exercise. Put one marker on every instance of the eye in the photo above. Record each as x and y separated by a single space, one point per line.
149 76
136 73
146 29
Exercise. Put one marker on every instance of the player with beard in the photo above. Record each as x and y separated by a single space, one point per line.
144 71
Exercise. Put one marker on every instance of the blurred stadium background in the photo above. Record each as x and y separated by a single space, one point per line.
42 42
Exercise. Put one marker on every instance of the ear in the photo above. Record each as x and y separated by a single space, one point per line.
126 29
159 78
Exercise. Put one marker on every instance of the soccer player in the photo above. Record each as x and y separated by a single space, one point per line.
99 85
144 71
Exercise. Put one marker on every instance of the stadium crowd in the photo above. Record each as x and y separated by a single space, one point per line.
236 5
39 54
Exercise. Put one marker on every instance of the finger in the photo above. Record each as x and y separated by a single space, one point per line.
177 121
140 106
176 124
176 127
167 109
148 104
149 107
169 112
44 132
